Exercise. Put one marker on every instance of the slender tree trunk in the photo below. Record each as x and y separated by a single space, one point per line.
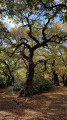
7 81
55 76
63 79
12 79
56 80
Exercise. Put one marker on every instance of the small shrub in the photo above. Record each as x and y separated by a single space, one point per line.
2 82
42 85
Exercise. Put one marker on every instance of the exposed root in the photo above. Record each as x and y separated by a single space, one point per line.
21 94
15 100
24 93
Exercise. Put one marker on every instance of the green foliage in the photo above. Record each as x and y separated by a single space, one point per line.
42 85
8 93
39 82
19 78
65 17
3 31
2 82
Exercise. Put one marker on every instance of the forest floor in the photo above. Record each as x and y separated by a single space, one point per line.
46 106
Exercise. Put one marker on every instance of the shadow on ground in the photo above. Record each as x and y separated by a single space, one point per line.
47 106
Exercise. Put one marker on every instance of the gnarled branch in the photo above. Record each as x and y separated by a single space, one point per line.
53 6
60 38
30 32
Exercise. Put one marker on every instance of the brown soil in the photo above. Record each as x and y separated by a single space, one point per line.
47 106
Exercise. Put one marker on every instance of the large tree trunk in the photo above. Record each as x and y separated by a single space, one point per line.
28 88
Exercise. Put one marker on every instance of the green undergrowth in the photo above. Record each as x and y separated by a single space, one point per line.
8 94
43 85
2 82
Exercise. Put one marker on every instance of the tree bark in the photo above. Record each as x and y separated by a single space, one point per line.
7 81
55 77
63 79
28 88
12 79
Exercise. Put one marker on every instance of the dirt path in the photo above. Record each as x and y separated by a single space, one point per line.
47 106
